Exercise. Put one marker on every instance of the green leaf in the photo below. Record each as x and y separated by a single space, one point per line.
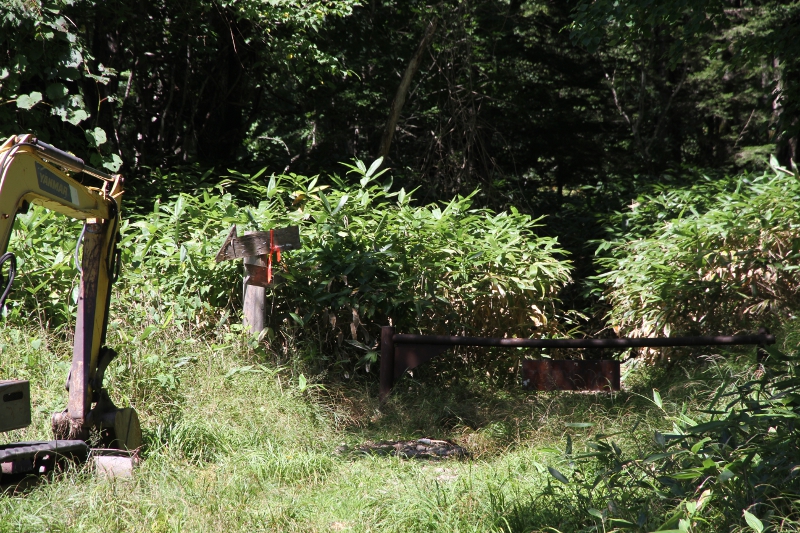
621 521
56 91
753 521
558 475
113 163
359 345
96 137
699 445
657 457
76 116
596 513
272 187
374 166
669 525
27 101
148 331
297 319
302 384
325 202
657 399
690 473
342 201
247 369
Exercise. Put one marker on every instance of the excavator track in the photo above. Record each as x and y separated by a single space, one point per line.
39 457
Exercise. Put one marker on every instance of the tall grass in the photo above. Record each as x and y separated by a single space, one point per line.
252 452
235 443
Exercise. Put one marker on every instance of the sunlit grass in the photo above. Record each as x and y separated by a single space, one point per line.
234 444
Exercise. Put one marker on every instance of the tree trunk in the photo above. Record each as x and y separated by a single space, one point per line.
405 83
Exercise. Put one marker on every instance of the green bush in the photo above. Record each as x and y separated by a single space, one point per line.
369 257
731 464
719 257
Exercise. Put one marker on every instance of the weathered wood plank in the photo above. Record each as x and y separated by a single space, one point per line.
254 297
257 243
221 255
257 275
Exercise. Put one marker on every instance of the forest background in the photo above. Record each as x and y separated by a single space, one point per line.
528 168
566 109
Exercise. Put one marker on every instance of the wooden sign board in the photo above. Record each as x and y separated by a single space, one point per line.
257 275
257 243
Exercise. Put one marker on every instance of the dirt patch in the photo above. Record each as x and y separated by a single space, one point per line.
410 449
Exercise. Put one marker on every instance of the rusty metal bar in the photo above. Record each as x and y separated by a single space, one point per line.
736 340
401 352
86 335
387 361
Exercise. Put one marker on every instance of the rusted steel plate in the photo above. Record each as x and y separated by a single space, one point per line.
410 356
257 243
549 374
15 405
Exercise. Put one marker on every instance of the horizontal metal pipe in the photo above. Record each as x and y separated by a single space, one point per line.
736 340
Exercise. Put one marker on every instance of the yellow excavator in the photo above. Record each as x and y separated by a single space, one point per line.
32 171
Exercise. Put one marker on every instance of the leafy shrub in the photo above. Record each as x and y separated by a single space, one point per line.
368 258
44 243
373 258
719 257
733 463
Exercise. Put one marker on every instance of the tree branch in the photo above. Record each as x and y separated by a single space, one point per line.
400 97
664 115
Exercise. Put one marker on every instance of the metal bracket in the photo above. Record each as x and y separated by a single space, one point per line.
561 374
410 356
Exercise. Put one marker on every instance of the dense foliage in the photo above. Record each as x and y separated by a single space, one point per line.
369 257
732 462
153 81
566 109
720 255
505 97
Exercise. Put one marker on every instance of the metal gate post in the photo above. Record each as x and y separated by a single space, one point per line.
387 361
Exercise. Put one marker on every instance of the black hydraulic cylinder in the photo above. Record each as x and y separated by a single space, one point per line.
66 160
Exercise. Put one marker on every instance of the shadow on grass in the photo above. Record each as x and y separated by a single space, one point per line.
489 419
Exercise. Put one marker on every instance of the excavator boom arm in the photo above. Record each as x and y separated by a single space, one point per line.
29 173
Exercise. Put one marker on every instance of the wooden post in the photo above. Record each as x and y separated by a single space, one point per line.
254 297
387 362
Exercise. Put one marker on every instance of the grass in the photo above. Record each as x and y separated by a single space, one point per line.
235 443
